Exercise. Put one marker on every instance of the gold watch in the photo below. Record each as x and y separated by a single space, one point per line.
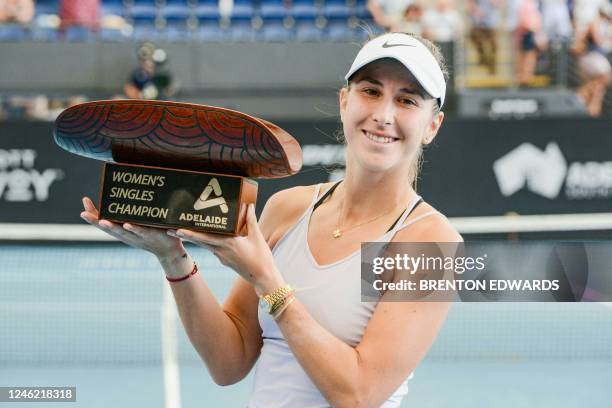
267 302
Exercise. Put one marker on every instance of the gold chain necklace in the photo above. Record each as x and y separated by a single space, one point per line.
337 233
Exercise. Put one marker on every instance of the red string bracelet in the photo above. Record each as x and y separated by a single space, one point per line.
182 278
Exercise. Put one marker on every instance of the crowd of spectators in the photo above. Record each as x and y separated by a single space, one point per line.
440 22
83 13
592 45
578 28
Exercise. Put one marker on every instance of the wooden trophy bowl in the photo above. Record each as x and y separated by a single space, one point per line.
178 135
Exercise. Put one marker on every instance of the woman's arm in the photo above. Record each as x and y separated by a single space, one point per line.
397 337
228 339
595 34
378 15
131 91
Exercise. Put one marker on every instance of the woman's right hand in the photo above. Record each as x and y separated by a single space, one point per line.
154 240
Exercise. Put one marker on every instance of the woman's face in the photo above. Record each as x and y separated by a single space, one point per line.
386 117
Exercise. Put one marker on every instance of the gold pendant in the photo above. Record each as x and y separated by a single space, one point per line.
337 233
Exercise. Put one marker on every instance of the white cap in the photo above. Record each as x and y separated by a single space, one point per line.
412 53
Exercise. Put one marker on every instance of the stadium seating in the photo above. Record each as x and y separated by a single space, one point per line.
339 31
113 35
242 31
242 11
44 34
46 7
12 32
202 20
305 10
147 32
337 10
210 31
207 11
308 32
271 10
112 7
78 34
174 14
143 13
275 32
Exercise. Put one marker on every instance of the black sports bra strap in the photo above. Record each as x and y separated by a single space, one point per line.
410 212
324 196
331 190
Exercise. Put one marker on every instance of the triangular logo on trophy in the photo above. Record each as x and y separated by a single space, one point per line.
204 202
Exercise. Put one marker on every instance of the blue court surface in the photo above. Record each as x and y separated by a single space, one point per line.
436 384
89 316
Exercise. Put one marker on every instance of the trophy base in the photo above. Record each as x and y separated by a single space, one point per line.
171 198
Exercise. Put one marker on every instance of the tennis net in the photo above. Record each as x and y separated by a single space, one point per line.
92 301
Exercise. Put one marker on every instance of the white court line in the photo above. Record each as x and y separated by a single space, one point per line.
52 232
78 307
533 223
168 316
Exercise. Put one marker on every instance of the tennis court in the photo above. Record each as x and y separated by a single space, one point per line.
94 316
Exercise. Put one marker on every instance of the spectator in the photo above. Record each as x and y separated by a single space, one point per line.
442 23
592 47
531 38
585 11
512 12
411 20
484 16
17 11
84 13
150 80
388 13
556 20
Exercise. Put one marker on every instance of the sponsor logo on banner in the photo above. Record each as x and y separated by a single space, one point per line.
20 180
545 172
514 107
322 155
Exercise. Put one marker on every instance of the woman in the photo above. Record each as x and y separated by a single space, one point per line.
594 66
531 40
18 11
484 17
322 346
411 20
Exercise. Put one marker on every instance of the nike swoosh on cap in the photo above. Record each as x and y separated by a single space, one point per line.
387 45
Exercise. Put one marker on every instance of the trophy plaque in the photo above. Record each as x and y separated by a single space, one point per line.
177 165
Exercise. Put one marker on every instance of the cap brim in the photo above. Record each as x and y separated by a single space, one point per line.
411 53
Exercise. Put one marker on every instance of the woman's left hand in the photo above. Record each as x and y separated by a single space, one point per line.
249 254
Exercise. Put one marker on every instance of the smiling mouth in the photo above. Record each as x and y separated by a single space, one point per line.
379 139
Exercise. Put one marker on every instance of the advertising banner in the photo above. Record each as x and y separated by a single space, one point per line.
473 168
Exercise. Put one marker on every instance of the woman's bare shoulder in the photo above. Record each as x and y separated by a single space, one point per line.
284 208
283 205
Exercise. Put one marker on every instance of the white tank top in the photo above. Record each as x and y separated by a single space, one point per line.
332 295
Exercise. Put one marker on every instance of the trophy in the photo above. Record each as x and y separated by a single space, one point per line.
177 165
